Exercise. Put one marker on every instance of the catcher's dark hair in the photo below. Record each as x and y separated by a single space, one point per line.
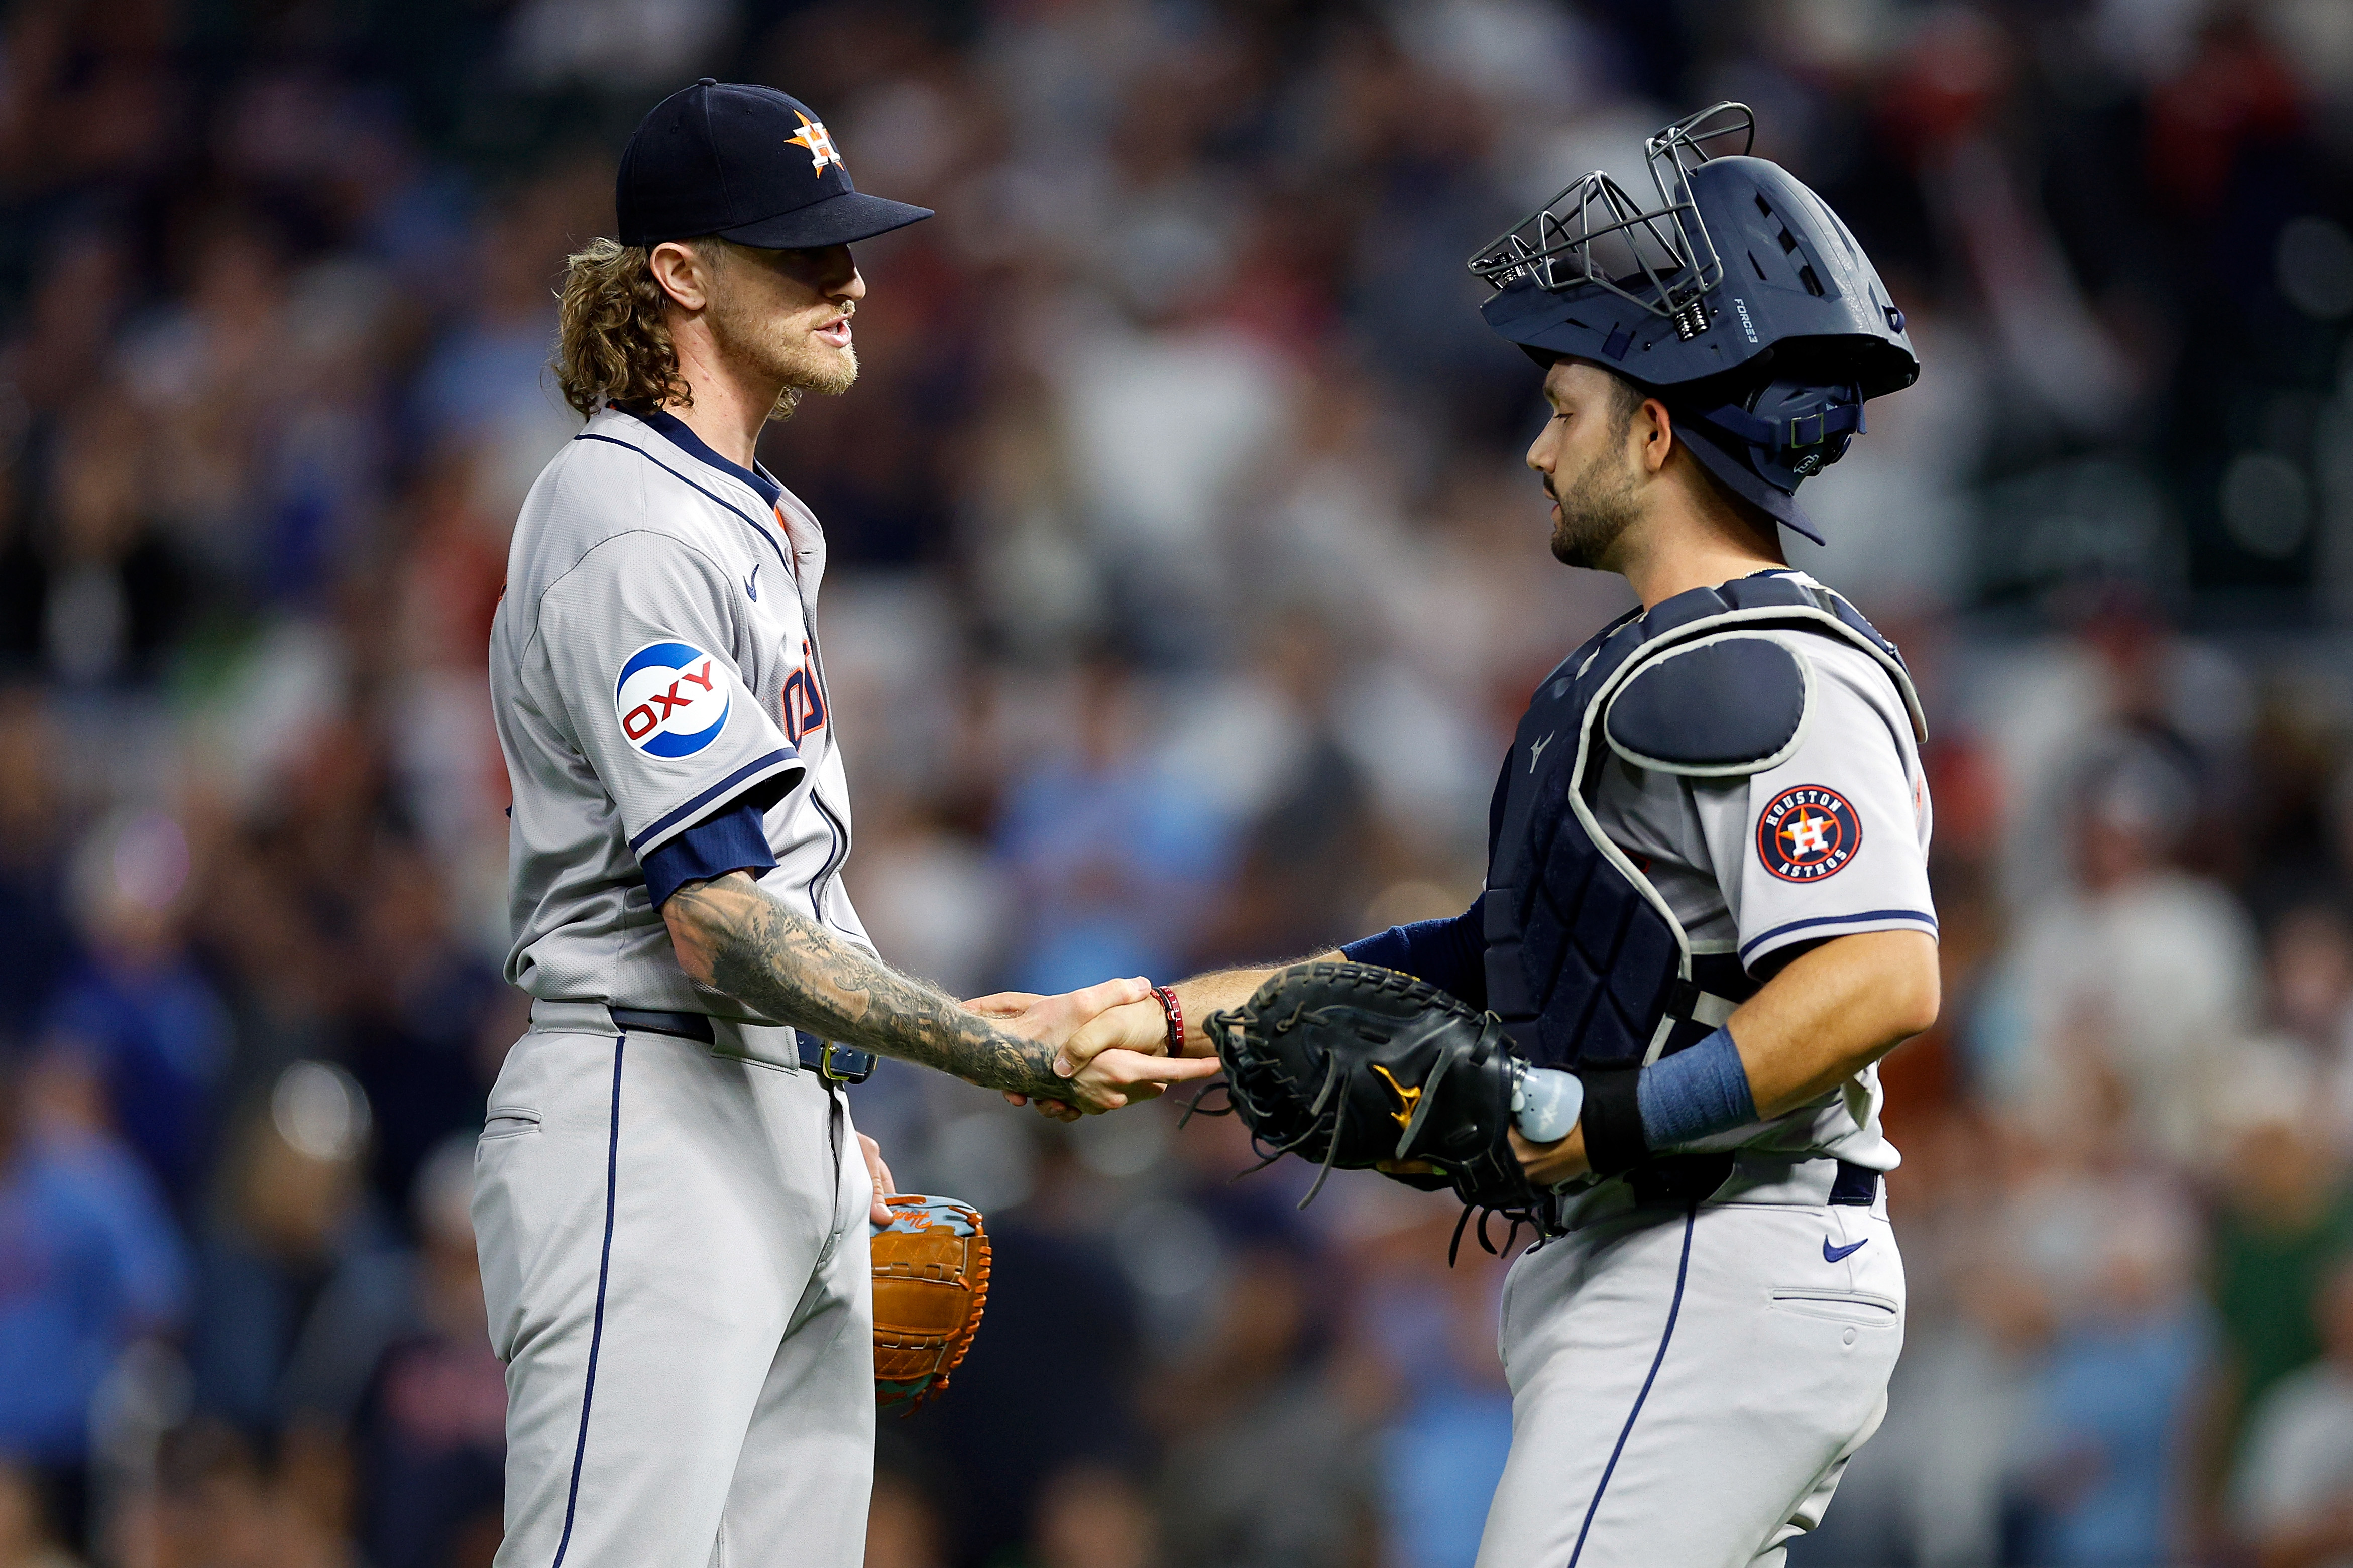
1626 399
612 343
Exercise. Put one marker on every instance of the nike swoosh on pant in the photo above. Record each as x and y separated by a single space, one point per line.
1832 1253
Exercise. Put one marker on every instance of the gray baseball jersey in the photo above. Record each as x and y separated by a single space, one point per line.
672 1230
652 663
1832 840
1621 1338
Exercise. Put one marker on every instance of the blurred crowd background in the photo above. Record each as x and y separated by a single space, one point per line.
1185 588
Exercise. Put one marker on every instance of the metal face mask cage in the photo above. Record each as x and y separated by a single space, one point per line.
1673 262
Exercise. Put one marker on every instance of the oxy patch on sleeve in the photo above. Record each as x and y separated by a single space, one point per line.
671 699
1724 706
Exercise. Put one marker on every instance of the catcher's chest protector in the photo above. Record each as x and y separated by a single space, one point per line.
1586 963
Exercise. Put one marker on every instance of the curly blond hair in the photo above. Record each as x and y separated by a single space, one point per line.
612 343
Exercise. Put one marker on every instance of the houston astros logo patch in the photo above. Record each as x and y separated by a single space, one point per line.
821 150
671 699
1808 833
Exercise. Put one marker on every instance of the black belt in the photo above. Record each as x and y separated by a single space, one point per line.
833 1063
1857 1186
1679 1178
1676 1179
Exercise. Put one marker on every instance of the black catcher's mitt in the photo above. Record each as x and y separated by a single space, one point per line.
1348 1064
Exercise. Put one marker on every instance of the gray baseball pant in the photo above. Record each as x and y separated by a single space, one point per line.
674 1258
1689 1382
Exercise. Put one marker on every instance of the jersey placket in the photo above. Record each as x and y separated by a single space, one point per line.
805 549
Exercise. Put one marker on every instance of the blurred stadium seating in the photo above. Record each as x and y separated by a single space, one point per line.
1190 353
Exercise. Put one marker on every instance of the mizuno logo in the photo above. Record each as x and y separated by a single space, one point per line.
1832 1253
1406 1097
751 583
1536 751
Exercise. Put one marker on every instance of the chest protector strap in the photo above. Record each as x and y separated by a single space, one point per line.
1586 963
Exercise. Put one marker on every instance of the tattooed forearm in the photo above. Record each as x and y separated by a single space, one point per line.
734 938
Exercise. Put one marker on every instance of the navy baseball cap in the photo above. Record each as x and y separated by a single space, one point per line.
747 163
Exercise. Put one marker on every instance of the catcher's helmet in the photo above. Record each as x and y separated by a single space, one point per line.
1739 299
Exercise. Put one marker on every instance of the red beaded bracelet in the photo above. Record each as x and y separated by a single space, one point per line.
1169 1005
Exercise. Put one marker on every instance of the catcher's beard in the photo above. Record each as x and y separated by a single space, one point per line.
1596 507
783 350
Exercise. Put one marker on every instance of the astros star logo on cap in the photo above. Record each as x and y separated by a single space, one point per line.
812 135
724 158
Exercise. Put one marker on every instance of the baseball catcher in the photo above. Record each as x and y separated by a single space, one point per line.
1706 910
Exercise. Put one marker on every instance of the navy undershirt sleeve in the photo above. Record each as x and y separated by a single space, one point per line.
1449 954
734 839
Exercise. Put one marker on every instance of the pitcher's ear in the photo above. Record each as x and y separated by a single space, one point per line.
682 273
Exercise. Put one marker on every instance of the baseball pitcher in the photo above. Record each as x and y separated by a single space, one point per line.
670 1202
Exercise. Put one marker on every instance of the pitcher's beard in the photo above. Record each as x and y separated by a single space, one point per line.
787 355
1596 507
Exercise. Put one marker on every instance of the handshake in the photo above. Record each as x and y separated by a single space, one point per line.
1116 1043
1349 1066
